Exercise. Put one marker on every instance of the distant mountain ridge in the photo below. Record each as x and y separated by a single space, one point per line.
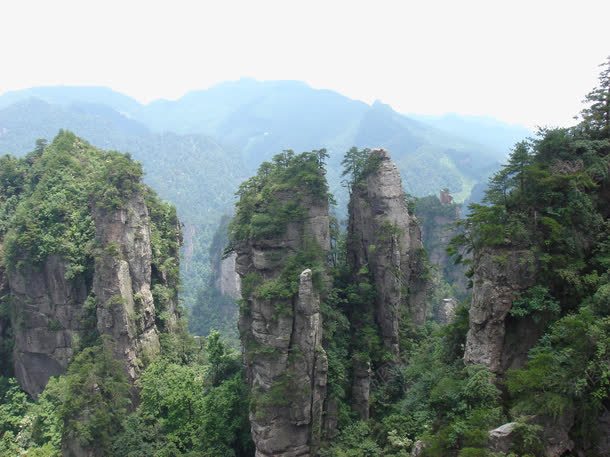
259 119
67 95
197 149
485 130
262 118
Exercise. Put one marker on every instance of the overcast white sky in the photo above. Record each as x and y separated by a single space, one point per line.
528 62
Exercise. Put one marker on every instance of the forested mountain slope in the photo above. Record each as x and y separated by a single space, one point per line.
263 118
339 356
193 171
248 121
496 135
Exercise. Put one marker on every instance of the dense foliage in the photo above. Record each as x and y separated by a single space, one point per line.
261 211
550 201
56 185
192 402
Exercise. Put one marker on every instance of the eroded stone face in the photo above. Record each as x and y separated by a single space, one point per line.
229 282
496 339
49 309
286 365
386 239
122 282
48 321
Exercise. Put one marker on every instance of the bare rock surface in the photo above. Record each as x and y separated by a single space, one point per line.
49 308
501 438
122 282
228 281
386 239
496 339
286 365
48 316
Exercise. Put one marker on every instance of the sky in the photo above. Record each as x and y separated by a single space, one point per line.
526 62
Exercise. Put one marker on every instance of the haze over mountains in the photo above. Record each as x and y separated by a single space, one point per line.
195 150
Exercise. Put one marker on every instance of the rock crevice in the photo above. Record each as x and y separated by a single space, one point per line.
286 366
385 238
495 338
53 314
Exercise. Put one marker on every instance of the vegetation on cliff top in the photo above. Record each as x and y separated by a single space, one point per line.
271 198
192 401
550 199
56 186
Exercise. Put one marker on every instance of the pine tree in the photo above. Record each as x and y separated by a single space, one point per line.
596 117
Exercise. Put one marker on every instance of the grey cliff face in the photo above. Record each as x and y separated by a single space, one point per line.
48 319
51 312
286 365
228 281
554 437
385 237
5 321
496 339
121 284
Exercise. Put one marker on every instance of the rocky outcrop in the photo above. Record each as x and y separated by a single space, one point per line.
48 311
553 435
53 313
418 449
556 433
122 283
361 388
501 439
6 337
286 365
603 433
228 281
495 338
385 238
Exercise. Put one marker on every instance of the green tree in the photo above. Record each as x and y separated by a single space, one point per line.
93 398
596 116
354 165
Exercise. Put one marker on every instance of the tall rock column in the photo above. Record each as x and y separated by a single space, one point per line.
384 237
125 308
6 337
385 240
495 338
84 266
280 321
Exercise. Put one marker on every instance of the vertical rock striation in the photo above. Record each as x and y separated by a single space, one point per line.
50 310
281 333
385 238
48 318
122 283
6 337
228 281
95 273
496 339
